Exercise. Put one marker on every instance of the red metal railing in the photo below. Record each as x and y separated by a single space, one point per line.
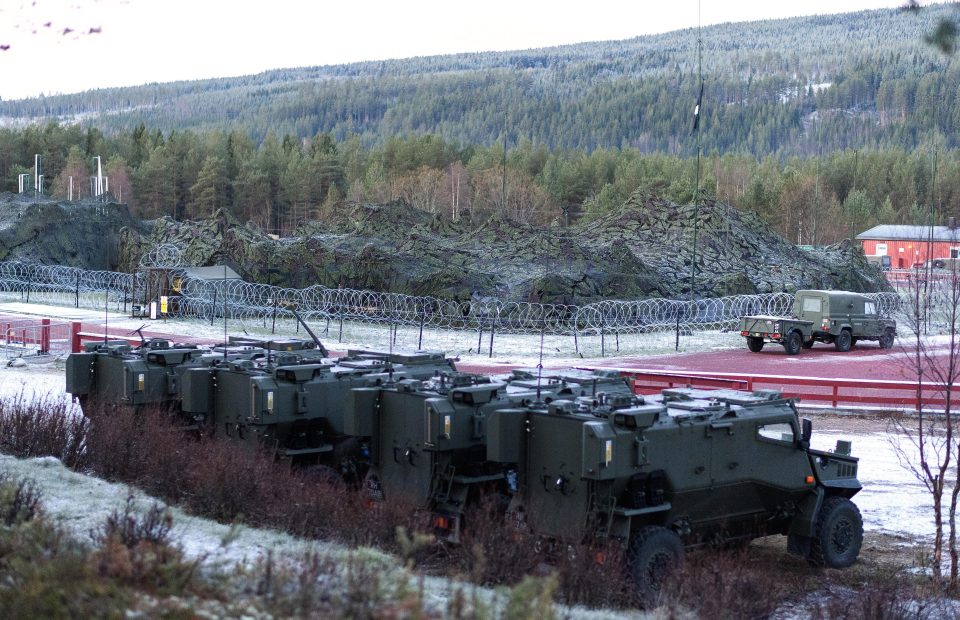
35 337
874 394
77 336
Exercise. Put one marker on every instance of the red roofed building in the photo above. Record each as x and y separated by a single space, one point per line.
907 245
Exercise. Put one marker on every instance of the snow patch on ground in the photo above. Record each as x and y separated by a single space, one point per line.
893 501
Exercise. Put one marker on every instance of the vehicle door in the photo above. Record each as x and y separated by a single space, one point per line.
871 322
732 468
776 463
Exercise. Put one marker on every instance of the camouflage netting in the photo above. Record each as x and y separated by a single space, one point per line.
81 234
641 251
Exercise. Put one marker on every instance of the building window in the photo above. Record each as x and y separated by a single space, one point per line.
881 249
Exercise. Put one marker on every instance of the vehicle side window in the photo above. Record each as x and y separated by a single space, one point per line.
869 307
779 432
811 304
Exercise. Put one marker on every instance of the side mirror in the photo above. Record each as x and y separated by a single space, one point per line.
806 432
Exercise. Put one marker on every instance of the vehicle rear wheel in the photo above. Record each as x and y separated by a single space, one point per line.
755 344
839 534
843 341
793 343
654 552
886 339
322 474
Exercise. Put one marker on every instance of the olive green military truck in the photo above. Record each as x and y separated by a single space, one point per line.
427 439
682 469
839 318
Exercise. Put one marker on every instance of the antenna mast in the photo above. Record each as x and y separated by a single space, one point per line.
540 363
696 128
106 314
224 311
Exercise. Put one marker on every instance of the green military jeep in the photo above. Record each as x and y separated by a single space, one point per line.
838 317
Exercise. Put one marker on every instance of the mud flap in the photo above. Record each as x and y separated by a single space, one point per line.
448 513
804 524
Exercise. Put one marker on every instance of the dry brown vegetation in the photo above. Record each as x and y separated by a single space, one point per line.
133 563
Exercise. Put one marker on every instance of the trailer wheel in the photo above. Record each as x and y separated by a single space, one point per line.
654 551
886 339
808 344
839 534
755 344
843 341
793 343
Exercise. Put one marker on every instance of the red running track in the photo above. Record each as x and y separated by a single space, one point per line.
864 361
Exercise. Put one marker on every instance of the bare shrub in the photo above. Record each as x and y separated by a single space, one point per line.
33 428
131 529
143 448
595 574
496 550
887 596
224 482
136 549
532 598
371 593
19 500
299 589
731 584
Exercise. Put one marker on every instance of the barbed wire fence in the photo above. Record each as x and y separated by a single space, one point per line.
481 325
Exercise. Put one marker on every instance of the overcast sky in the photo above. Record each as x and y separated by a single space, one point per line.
52 50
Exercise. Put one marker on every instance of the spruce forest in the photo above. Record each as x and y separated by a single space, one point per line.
823 126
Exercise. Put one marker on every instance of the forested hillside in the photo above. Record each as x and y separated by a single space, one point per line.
789 87
823 126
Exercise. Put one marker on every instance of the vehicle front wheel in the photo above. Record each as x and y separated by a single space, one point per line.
843 341
839 534
654 552
755 344
793 343
886 339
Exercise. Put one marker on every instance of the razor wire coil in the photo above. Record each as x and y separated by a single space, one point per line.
209 298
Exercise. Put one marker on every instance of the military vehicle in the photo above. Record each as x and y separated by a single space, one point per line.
294 408
427 440
840 318
113 373
116 374
662 474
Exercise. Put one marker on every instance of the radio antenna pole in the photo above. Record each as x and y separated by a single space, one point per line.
696 128
540 364
224 311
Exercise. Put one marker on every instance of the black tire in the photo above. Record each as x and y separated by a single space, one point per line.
654 552
755 344
854 341
843 341
886 339
322 474
793 343
839 534
808 344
